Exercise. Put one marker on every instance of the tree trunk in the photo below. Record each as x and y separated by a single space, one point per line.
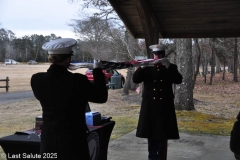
26 54
212 62
205 71
218 65
198 52
184 91
224 70
230 65
235 66
129 85
205 67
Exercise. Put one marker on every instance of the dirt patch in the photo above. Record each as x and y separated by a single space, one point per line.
221 98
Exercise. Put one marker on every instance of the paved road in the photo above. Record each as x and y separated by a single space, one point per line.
10 97
189 147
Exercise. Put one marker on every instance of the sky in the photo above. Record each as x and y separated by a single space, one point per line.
42 17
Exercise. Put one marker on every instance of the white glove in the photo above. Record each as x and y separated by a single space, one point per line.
97 64
165 62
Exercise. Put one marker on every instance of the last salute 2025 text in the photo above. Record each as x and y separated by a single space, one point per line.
32 156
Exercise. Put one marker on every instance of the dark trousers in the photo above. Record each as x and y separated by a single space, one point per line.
157 149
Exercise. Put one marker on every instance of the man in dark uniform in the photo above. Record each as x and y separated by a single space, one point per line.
157 119
235 138
63 96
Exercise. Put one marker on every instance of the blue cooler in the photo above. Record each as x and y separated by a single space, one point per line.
93 118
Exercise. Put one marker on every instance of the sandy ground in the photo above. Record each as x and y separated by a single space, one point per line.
20 75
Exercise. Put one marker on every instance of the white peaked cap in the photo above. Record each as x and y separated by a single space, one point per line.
60 46
158 47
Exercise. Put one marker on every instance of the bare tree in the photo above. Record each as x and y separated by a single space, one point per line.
222 54
198 55
227 51
6 50
184 91
235 74
212 60
205 58
108 41
95 31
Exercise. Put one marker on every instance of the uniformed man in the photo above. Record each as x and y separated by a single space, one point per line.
63 96
235 138
157 119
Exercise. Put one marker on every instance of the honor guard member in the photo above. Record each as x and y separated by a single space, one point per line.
63 96
157 120
235 138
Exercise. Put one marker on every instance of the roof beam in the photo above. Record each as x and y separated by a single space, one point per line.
151 32
148 10
115 4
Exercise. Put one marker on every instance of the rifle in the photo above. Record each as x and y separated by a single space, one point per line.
117 65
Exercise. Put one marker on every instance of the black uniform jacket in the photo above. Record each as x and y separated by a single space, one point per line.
157 119
235 137
63 96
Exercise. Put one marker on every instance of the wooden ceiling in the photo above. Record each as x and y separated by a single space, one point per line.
180 18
